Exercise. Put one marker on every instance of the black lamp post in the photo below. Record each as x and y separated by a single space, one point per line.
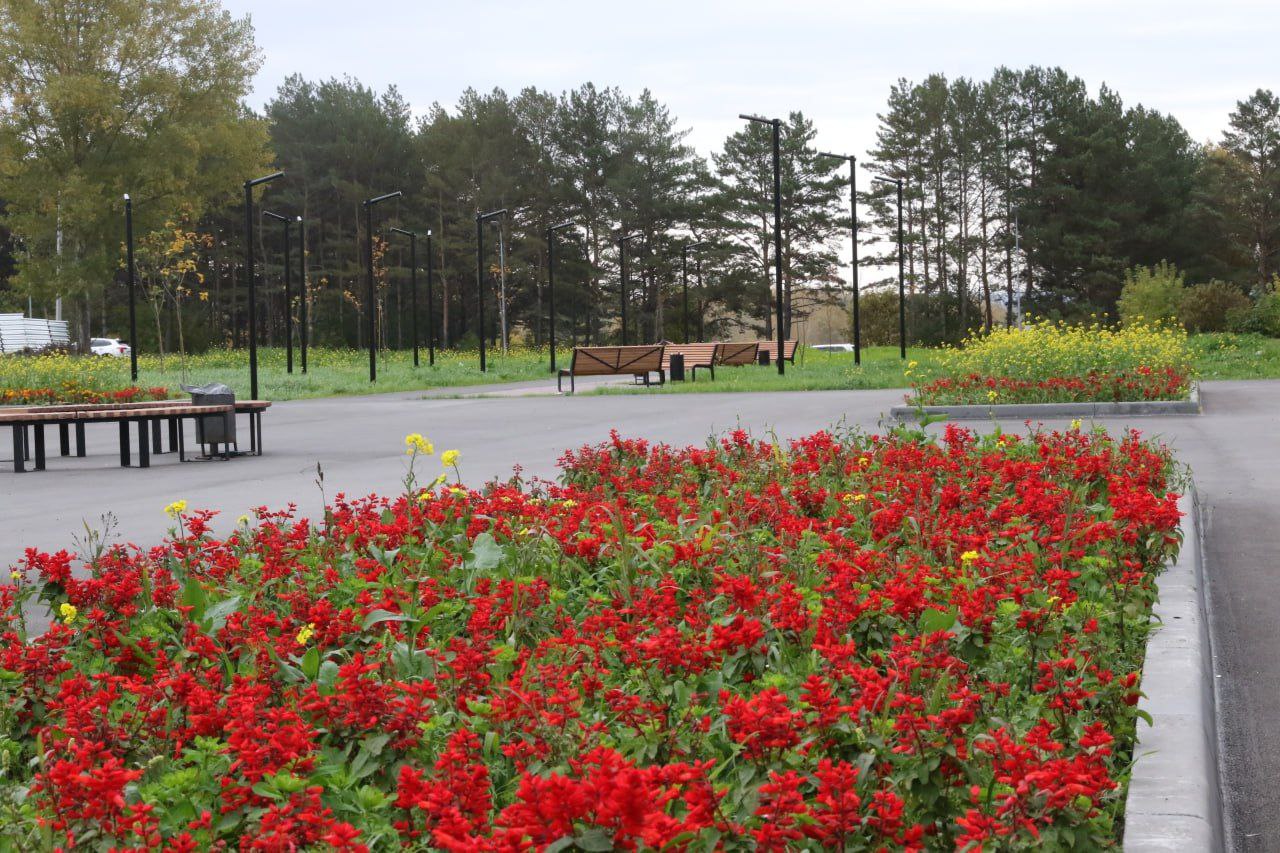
853 213
684 279
253 286
623 287
777 228
370 295
702 298
902 294
288 293
413 287
551 284
302 291
133 311
431 311
481 218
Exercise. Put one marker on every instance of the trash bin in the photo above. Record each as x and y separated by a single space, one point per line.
677 367
763 357
214 429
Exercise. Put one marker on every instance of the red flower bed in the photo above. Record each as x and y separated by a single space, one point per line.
1142 383
71 392
847 642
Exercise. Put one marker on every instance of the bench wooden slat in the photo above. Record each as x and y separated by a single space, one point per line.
637 361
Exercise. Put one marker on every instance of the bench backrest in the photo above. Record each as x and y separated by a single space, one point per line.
694 354
771 347
614 361
737 353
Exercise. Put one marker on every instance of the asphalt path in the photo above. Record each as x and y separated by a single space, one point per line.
358 442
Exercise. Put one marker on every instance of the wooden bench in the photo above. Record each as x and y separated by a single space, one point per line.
737 353
771 347
23 420
695 356
637 361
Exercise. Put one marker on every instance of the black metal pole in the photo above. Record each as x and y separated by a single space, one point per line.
702 300
413 294
431 314
133 311
777 237
370 303
857 296
551 294
684 284
302 290
902 294
622 244
253 286
480 281
288 302
253 290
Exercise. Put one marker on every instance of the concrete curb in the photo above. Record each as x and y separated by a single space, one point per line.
1174 800
1041 411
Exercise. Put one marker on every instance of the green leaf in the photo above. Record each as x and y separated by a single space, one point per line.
216 616
377 616
486 553
594 839
193 596
311 663
937 620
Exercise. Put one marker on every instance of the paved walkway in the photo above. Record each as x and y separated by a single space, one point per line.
359 443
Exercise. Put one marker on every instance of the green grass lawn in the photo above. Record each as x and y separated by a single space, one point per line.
340 372
882 367
1228 356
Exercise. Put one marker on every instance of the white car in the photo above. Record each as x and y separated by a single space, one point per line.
833 347
113 347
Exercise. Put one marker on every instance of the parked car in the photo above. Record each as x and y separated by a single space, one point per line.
833 347
113 347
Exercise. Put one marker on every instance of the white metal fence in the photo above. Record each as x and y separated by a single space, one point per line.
19 333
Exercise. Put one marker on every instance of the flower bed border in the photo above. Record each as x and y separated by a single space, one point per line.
1174 800
1023 411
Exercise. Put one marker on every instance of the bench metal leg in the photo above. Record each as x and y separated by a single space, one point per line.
124 444
156 446
144 449
19 451
257 417
181 436
175 427
253 437
64 439
26 443
80 439
39 431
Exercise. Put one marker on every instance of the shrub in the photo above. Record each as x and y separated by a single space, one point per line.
1212 307
1263 318
925 326
1151 295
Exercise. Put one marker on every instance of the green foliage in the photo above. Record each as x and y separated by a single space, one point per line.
1264 317
1151 295
1213 307
117 96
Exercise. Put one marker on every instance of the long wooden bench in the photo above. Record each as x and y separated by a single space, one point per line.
771 347
26 420
636 361
737 353
695 356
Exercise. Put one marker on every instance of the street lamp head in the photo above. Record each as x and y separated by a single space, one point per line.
404 232
371 202
897 182
265 179
760 119
561 226
271 215
622 238
848 157
126 197
492 214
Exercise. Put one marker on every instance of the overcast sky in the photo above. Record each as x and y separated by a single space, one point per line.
709 61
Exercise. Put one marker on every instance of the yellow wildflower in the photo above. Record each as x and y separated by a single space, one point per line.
568 503
243 520
68 612
305 633
858 498
991 395
16 575
969 556
415 444
176 509
864 461
449 458
913 364
1075 425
